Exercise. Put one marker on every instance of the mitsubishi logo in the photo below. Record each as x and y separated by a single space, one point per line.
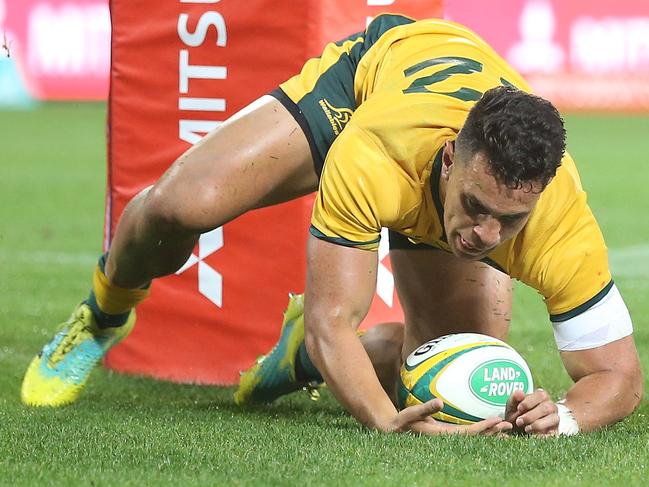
210 282
384 278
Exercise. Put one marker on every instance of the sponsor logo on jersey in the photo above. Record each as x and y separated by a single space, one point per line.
338 117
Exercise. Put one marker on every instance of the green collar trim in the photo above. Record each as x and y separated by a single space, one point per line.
434 190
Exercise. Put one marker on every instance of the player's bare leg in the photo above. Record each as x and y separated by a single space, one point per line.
440 294
257 158
383 344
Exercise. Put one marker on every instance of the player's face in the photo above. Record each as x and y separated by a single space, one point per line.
479 212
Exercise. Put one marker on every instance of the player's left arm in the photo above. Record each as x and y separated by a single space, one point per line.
608 387
599 353
608 383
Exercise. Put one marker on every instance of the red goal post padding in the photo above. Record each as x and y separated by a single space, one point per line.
179 68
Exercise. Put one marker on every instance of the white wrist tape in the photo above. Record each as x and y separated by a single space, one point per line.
567 423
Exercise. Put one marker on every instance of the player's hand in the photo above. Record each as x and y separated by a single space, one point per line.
418 420
534 414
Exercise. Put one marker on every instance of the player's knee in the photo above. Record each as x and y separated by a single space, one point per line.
162 211
385 332
383 343
170 211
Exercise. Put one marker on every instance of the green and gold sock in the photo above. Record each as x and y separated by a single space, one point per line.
112 304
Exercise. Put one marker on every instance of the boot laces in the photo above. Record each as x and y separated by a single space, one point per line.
78 330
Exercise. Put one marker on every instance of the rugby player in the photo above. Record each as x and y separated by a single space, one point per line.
419 127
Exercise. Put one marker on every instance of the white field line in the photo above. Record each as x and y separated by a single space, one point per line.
73 259
632 261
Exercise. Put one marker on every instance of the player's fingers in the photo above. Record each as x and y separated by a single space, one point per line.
532 400
511 411
481 426
548 425
498 430
541 410
419 412
488 427
431 428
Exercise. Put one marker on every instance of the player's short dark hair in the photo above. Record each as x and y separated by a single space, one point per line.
522 135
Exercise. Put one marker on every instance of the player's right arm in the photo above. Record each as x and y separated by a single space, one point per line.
339 290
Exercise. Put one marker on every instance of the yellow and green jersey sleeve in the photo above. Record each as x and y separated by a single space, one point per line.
360 192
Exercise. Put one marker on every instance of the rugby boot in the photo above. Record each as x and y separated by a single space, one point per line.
273 375
58 374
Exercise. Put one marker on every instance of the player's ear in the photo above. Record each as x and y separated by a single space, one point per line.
448 158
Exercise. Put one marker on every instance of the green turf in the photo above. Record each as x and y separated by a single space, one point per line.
130 431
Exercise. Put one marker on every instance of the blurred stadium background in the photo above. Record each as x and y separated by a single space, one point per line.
591 58
583 55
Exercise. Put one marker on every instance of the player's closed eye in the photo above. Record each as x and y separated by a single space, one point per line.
471 207
510 219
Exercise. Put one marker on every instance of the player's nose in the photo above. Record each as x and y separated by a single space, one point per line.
488 231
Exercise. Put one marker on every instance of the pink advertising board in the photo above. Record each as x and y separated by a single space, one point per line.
60 48
581 54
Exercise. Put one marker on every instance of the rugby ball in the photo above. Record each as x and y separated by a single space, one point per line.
474 375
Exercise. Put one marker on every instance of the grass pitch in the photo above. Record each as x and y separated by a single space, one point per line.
134 431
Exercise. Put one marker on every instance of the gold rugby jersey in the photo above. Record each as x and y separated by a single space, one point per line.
413 88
